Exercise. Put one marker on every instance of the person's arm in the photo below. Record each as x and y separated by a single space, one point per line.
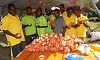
24 26
86 25
76 25
41 26
8 33
14 35
24 23
52 24
64 27
64 30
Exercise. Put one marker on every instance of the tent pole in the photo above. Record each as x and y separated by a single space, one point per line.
95 6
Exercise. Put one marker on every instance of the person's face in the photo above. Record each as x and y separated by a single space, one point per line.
47 12
70 12
56 14
77 13
29 12
61 8
39 13
12 11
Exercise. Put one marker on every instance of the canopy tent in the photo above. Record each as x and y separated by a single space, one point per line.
22 4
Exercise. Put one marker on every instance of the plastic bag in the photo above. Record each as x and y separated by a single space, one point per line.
95 36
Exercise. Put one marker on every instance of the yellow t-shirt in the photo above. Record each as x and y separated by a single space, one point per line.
71 31
81 30
64 14
12 24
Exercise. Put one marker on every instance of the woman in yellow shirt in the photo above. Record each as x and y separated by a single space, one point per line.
69 20
81 27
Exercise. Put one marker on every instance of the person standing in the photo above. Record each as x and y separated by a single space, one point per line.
81 27
63 13
41 22
59 23
11 26
50 19
28 23
70 22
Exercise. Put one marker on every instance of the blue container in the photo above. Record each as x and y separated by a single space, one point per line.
74 57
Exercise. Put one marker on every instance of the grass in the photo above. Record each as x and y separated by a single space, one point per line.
94 25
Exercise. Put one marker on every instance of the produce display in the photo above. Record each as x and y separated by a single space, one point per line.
84 49
55 42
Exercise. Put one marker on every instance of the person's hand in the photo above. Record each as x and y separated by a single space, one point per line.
48 18
52 24
29 25
70 25
17 36
37 24
80 21
73 24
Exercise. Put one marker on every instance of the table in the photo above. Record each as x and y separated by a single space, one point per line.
49 55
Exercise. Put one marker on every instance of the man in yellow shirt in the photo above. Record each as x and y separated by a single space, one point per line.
12 28
81 27
69 20
62 10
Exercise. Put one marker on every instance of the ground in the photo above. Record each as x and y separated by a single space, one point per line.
5 52
93 25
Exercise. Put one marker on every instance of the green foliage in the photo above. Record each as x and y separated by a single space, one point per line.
92 18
